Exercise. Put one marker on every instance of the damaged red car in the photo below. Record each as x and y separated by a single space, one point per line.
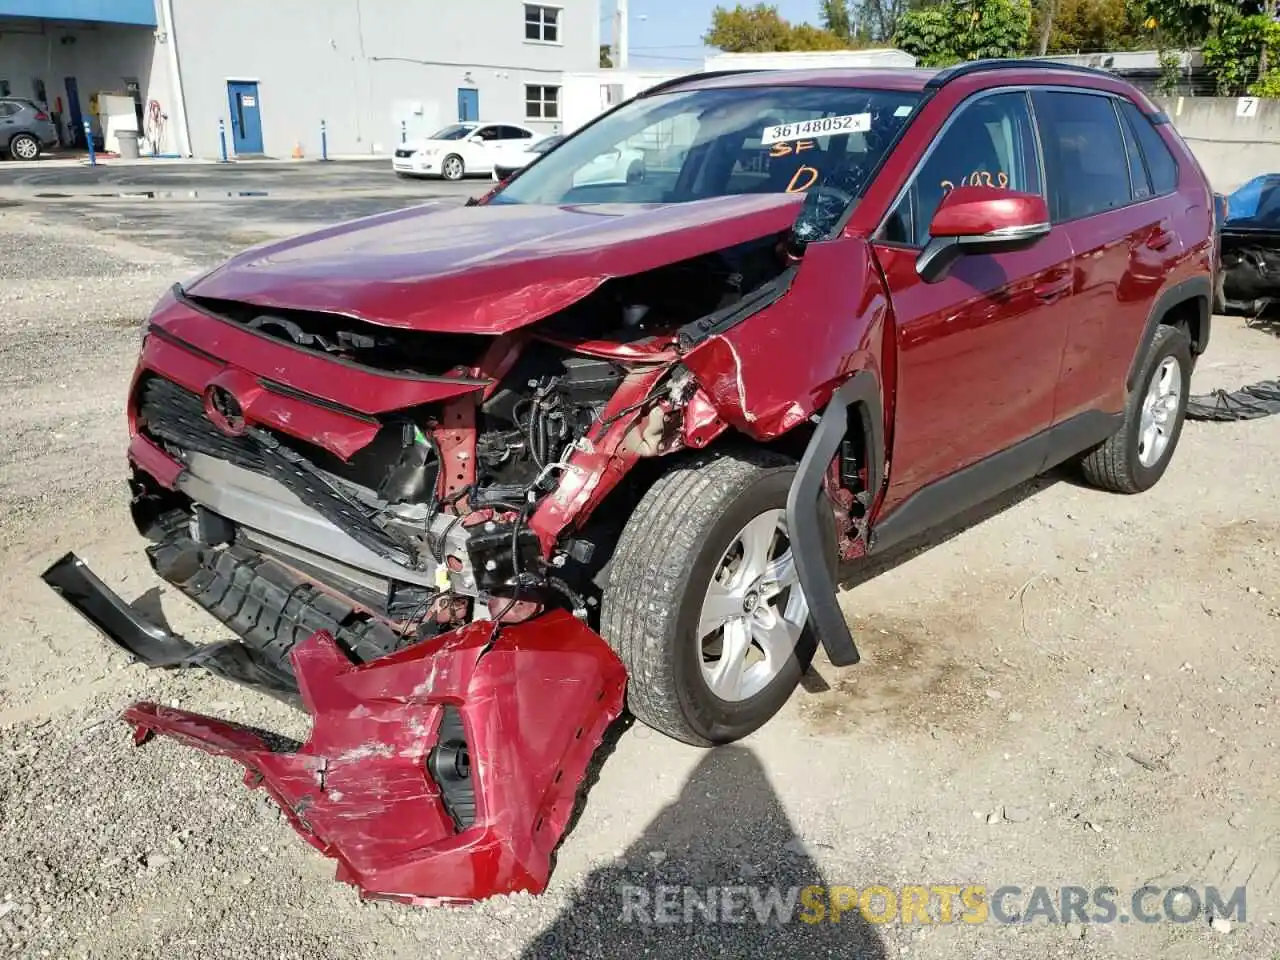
456 475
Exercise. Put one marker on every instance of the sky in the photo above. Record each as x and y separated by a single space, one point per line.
669 32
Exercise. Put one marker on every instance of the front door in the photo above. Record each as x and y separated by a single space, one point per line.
246 117
979 350
468 104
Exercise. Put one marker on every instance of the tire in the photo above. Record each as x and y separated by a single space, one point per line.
24 147
452 167
1118 463
662 570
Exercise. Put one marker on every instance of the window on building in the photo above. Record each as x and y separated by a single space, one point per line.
541 103
541 23
991 143
1160 163
1084 152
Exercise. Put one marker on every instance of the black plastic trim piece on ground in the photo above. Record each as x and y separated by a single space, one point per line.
155 646
862 393
146 642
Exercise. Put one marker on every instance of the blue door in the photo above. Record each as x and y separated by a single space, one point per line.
468 104
246 118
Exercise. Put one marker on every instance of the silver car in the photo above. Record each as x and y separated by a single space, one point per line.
25 129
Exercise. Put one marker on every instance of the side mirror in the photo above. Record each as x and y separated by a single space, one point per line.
981 220
477 139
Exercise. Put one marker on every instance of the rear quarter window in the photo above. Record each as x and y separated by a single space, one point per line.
1161 166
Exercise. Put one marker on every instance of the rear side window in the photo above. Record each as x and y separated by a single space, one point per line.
1084 152
1137 169
990 143
1161 166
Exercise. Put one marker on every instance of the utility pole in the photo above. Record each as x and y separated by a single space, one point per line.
620 42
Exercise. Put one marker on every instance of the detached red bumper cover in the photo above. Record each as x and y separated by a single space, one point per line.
445 772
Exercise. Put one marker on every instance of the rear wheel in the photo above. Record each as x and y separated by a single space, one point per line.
704 604
24 147
453 168
1136 456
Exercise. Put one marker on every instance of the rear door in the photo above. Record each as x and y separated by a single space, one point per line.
978 352
1122 238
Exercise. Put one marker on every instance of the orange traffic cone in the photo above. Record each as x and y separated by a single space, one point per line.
297 150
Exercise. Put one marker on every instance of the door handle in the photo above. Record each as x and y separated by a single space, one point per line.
1053 289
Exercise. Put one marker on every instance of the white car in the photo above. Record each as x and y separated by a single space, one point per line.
619 165
461 149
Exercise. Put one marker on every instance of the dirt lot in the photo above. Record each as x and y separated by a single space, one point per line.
1075 689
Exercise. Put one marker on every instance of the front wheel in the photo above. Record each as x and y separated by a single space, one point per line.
452 168
24 147
704 603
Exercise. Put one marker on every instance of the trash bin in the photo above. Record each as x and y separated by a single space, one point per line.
128 140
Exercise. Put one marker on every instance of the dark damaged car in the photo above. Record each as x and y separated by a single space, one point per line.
1249 245
462 480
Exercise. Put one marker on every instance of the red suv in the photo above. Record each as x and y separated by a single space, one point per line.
839 308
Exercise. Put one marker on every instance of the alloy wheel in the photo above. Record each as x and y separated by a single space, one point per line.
753 611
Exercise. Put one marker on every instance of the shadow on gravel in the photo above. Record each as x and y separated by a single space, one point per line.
718 873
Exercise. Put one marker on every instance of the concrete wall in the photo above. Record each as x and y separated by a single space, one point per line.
1232 148
100 57
365 67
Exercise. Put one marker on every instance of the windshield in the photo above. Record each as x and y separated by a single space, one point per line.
542 146
825 142
455 131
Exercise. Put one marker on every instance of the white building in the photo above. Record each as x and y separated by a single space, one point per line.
273 70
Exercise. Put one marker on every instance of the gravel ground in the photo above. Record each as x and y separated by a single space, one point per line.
1070 688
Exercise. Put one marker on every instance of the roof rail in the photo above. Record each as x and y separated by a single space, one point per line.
943 77
692 77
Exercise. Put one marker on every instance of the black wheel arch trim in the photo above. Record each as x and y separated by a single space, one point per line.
860 392
1194 288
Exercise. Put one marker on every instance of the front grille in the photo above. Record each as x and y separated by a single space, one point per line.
176 418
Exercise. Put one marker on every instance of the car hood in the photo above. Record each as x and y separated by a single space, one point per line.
485 269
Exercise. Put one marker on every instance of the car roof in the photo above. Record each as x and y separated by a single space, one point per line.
913 79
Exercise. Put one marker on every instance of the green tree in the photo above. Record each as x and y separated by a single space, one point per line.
606 56
1238 52
761 29
1096 25
956 30
837 18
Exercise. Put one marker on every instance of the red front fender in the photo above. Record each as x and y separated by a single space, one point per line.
447 771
